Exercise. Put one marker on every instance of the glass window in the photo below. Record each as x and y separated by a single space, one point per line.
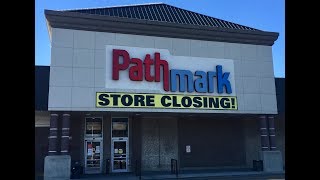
93 126
119 155
119 127
93 154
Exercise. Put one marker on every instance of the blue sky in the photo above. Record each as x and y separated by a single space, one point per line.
267 15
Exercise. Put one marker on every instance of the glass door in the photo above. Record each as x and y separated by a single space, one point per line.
119 156
93 156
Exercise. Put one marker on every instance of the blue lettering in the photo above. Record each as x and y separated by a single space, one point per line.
184 75
211 74
204 82
200 84
222 80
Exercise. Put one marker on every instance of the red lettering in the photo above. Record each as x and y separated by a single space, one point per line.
135 72
147 63
116 67
159 62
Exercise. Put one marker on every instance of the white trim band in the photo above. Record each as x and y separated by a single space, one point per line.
52 137
65 136
66 115
53 129
52 151
65 128
64 151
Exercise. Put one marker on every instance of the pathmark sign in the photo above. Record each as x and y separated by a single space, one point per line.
183 82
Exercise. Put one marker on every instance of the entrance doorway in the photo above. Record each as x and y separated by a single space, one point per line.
93 145
119 155
120 145
93 156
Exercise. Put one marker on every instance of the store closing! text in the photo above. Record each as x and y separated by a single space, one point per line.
139 100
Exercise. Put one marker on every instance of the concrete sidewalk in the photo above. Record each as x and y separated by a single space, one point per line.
220 176
227 175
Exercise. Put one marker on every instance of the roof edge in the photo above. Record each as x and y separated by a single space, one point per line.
116 6
89 22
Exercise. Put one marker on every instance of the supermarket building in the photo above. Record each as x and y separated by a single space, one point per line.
150 83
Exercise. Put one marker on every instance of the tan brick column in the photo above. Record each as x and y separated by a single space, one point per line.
265 144
53 134
65 134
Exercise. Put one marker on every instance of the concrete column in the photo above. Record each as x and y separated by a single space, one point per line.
53 135
65 134
272 134
265 144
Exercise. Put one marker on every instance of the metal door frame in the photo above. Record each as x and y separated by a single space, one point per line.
86 169
93 139
120 139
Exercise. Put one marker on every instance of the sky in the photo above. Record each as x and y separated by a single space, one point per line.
266 15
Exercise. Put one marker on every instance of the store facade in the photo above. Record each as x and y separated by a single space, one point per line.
150 83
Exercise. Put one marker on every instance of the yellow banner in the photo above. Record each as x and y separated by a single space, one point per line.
170 101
